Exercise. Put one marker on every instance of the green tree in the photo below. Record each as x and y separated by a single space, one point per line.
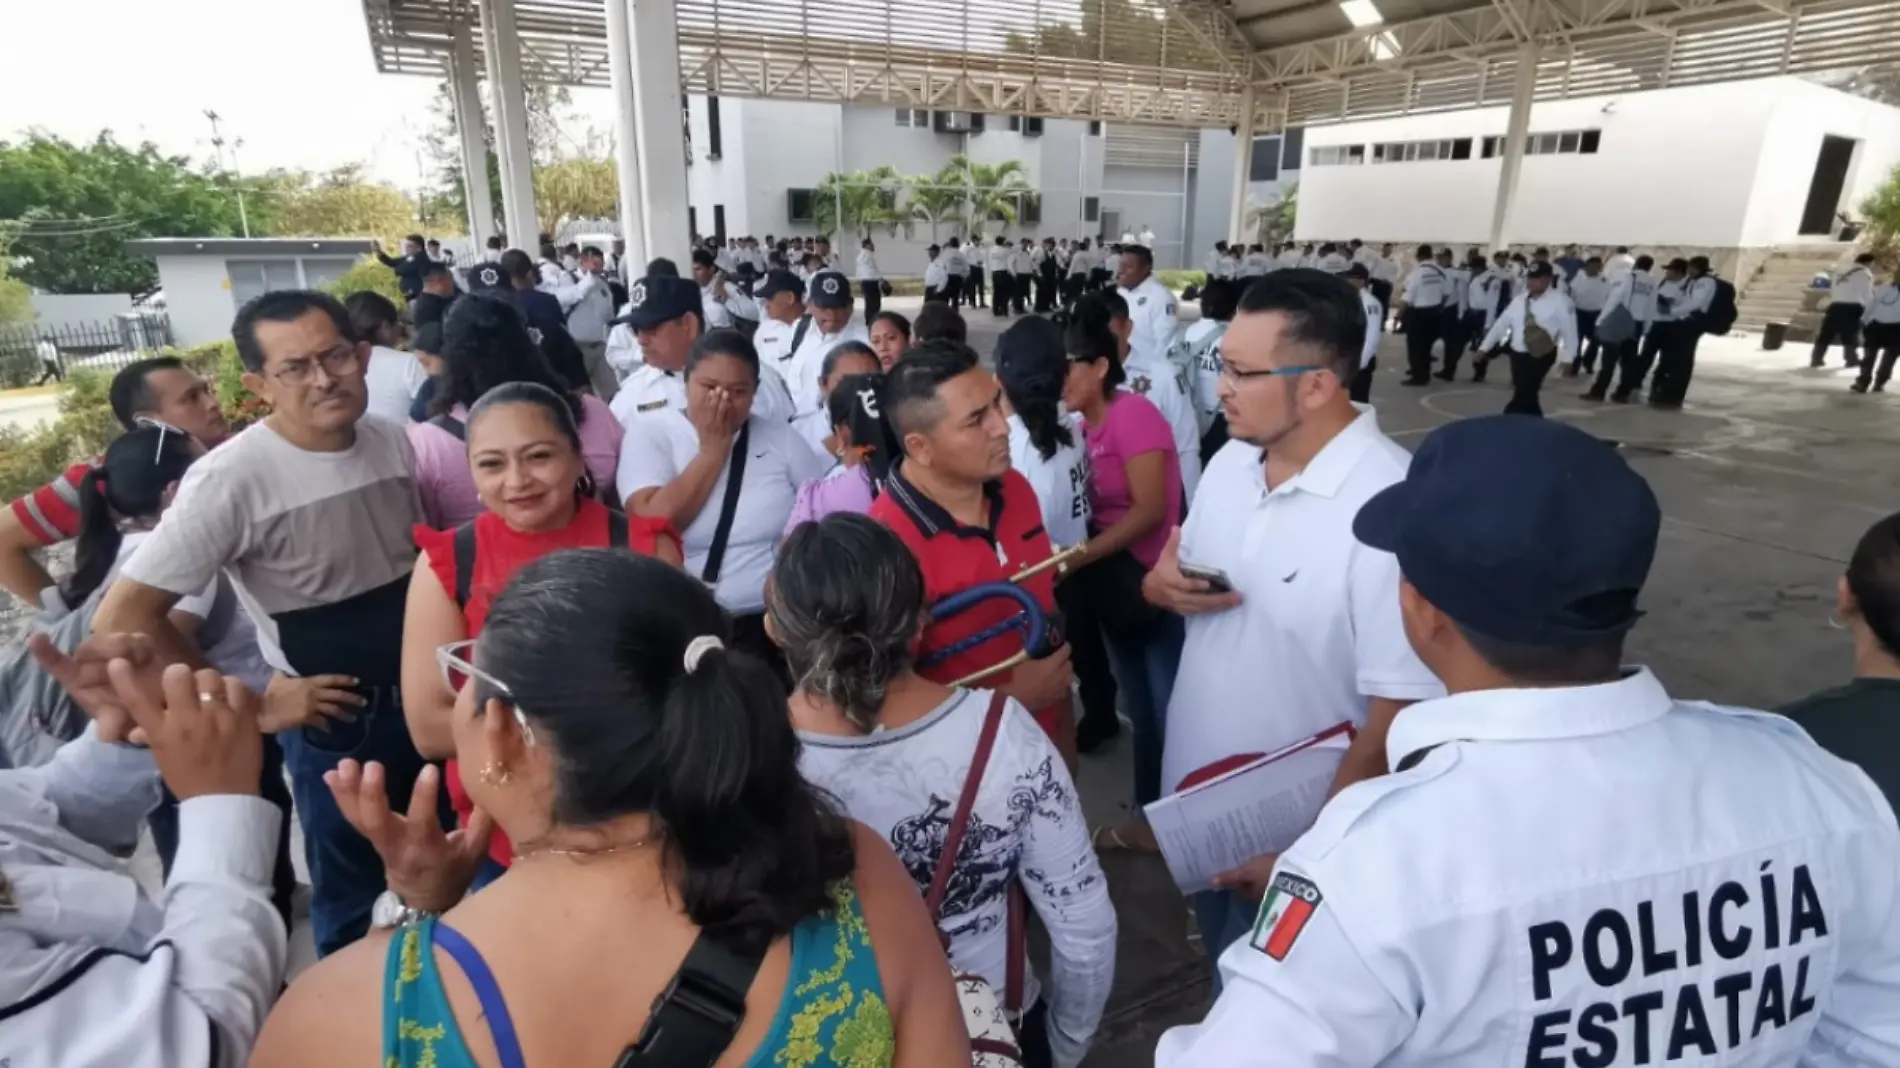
1272 222
576 188
936 198
550 109
341 203
72 207
16 300
997 190
859 202
1881 209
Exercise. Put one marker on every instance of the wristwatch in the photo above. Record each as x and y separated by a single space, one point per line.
389 911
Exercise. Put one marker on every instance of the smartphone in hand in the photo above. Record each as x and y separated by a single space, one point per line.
1216 579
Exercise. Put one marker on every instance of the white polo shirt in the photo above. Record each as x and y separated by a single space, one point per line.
778 461
1590 875
801 368
773 340
1061 482
1157 379
1317 631
648 390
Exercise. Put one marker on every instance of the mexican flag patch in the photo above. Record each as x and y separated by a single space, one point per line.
1291 901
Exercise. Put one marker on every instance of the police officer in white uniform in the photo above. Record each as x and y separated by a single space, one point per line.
721 299
1361 278
937 276
1150 305
1541 327
1634 290
1881 327
832 321
781 297
1841 322
663 313
1422 313
1566 866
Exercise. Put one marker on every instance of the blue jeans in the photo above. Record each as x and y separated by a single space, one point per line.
1225 918
346 875
1145 663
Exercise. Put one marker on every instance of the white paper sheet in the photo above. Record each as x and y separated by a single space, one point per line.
1260 807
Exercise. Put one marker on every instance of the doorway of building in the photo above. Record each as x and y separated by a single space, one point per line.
1111 228
1824 192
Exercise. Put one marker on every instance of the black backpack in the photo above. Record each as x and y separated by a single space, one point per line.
1720 316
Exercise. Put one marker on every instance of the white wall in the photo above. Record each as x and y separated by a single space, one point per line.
54 310
197 297
1803 113
1675 167
1151 197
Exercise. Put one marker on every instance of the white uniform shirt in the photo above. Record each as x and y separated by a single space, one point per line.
1884 308
1147 239
1219 264
1669 297
867 266
1319 610
1255 265
1590 294
773 340
1289 258
1081 262
954 263
1637 290
1575 876
649 390
1619 265
1334 263
1696 297
1457 287
1375 316
720 313
1552 311
1151 310
801 368
392 380
1481 295
1200 359
660 445
93 972
1021 261
937 273
1386 269
1061 482
1854 286
1425 287
1112 263
552 275
1161 382
996 259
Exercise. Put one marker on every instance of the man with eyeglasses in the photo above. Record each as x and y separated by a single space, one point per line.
309 513
1310 636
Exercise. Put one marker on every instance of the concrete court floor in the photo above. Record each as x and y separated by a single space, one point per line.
1767 479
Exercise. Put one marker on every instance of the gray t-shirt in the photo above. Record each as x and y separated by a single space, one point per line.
317 544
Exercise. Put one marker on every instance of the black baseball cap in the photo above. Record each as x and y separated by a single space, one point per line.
778 280
830 289
486 276
1520 529
1030 356
1541 269
660 298
1357 270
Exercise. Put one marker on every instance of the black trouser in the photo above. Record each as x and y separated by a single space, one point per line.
271 786
973 287
1840 323
1587 338
748 634
1019 292
1470 332
1618 357
1072 288
1451 328
1088 653
1676 365
1647 351
1360 390
934 293
873 299
953 290
1381 289
1421 330
1047 283
1883 348
1099 278
1000 285
1527 377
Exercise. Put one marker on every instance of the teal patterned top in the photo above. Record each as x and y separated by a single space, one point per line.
832 1014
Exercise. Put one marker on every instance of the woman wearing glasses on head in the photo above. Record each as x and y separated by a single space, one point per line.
680 895
526 464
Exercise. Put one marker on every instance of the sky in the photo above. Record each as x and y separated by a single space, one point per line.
302 91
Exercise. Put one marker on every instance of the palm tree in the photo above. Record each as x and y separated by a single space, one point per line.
993 191
937 198
859 201
1272 222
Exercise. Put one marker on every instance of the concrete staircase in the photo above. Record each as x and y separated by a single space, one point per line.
1779 290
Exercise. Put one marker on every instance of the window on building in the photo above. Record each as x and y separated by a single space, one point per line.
713 145
1588 142
1492 147
692 222
1028 209
320 273
1091 209
1461 148
1095 127
1266 160
917 117
1414 151
254 278
719 223
1292 148
1032 126
798 205
1338 155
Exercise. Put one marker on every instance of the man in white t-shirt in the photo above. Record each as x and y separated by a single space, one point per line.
1312 608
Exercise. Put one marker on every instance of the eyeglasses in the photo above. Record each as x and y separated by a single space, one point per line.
457 661
341 360
1235 375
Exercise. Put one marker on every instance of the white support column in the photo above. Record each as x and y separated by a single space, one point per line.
465 87
511 125
1243 172
626 138
1516 130
492 60
656 76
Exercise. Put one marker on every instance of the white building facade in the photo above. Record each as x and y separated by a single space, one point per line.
1742 165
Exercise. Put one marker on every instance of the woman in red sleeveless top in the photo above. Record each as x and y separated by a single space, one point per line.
524 451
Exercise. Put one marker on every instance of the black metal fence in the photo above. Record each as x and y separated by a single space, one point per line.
32 354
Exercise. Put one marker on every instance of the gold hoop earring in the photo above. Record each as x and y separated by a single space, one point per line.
494 774
1834 620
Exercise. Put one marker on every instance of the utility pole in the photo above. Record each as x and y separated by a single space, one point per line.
217 145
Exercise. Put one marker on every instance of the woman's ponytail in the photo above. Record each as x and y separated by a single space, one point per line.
96 547
128 483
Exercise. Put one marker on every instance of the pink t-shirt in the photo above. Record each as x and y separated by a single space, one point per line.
447 488
1132 426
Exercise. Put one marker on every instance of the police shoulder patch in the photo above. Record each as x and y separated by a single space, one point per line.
1290 903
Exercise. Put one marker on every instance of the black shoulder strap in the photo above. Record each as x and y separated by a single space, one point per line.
694 1018
798 336
464 561
735 475
452 425
616 529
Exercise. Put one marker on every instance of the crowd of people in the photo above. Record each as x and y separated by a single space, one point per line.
609 677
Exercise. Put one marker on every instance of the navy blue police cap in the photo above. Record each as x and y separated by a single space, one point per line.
1520 529
830 289
658 299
